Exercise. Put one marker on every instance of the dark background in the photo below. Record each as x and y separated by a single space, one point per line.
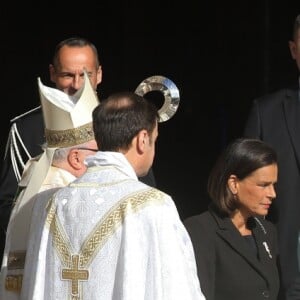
220 54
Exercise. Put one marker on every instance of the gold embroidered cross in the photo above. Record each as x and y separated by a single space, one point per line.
74 274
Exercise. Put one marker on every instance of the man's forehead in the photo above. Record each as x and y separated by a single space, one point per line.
75 72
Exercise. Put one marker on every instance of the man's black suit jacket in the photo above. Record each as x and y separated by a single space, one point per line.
275 119
31 129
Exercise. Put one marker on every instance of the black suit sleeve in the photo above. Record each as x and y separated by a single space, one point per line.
31 131
8 187
201 232
293 292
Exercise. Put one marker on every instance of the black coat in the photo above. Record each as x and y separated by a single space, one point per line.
228 268
275 119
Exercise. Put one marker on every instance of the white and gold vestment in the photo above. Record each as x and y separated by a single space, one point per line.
108 236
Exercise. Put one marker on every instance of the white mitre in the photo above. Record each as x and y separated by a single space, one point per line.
68 122
68 119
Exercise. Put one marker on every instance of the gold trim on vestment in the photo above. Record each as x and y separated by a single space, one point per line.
13 283
69 137
101 233
15 261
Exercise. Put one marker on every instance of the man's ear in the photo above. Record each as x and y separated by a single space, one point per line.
52 73
293 49
74 159
142 138
99 75
232 184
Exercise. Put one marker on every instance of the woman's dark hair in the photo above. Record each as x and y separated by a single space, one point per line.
240 158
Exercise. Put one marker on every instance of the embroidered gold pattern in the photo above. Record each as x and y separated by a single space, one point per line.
16 260
69 137
50 211
75 274
61 242
98 237
13 283
113 219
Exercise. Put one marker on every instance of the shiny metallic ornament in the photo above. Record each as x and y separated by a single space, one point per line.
169 90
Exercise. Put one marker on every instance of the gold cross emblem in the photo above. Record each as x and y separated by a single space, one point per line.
75 274
106 227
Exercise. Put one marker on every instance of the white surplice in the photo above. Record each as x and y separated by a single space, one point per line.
109 236
19 224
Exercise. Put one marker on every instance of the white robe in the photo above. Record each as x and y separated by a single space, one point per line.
109 236
19 225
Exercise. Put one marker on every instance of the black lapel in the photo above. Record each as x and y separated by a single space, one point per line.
232 236
265 252
291 110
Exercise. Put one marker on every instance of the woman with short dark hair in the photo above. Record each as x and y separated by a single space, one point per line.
235 247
